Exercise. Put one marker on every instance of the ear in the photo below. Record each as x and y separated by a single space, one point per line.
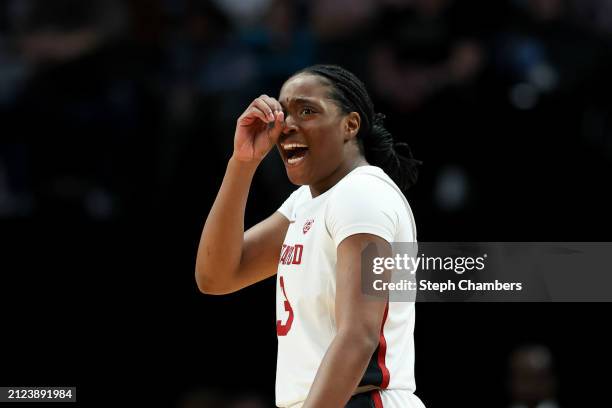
352 123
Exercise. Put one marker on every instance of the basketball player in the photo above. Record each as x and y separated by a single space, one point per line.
336 347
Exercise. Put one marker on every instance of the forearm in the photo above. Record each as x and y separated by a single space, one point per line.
220 247
340 371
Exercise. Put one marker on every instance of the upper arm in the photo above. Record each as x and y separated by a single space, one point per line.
356 311
260 251
364 216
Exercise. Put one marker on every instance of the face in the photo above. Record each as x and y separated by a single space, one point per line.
314 141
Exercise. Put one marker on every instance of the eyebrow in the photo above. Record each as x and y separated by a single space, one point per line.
299 99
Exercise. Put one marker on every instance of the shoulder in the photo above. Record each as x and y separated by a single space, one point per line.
295 198
365 201
367 185
300 194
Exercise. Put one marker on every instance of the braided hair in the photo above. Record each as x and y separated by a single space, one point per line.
375 142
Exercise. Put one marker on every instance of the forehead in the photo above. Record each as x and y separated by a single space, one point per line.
304 86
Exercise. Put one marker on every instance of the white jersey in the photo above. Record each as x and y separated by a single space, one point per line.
365 201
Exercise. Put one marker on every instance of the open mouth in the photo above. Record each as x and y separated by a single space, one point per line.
294 152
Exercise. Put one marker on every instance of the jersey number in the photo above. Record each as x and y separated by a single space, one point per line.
283 329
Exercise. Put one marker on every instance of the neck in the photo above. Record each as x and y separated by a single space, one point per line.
328 182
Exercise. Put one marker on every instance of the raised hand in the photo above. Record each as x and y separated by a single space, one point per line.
258 129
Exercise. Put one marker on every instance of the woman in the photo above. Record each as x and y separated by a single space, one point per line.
336 347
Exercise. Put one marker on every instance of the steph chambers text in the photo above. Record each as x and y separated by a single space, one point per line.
462 285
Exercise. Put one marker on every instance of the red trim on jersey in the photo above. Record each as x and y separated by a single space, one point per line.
382 350
376 398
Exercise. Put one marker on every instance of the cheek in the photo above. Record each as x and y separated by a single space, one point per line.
327 144
327 154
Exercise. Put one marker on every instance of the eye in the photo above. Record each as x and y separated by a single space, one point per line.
306 111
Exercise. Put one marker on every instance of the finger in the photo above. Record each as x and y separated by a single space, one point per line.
273 103
264 107
252 113
275 131
279 118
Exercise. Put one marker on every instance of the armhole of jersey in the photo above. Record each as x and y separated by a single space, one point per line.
377 373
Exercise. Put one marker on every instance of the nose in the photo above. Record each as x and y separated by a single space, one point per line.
290 126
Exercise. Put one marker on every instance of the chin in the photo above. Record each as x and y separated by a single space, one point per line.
297 179
298 176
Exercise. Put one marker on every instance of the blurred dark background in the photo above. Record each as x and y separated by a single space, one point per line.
117 120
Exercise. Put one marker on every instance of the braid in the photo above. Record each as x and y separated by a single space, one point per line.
375 141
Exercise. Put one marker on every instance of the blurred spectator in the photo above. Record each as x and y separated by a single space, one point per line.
343 31
594 14
420 52
341 19
64 29
548 69
15 196
207 398
249 401
282 44
543 52
78 113
202 398
428 57
245 13
202 65
532 380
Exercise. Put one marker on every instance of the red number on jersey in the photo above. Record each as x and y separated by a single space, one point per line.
283 329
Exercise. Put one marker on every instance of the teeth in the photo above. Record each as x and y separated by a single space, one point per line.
292 146
294 160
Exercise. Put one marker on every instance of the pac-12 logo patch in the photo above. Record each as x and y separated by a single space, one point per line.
307 225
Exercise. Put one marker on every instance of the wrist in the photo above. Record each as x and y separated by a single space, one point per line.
242 165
